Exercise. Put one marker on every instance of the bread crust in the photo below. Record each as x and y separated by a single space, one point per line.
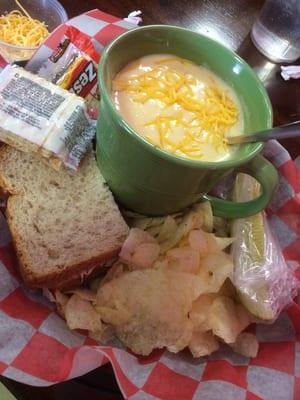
69 276
3 182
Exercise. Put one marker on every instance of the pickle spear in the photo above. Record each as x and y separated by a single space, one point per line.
250 275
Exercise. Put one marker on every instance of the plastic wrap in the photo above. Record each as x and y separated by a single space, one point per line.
264 281
73 66
37 116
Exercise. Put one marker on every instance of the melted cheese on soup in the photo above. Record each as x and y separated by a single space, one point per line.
178 106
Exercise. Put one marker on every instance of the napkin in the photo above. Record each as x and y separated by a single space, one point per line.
290 72
37 348
134 17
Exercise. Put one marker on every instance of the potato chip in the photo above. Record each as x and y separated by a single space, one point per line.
135 238
227 289
204 242
114 272
115 315
200 312
189 222
83 293
167 230
159 302
61 301
246 344
184 259
203 344
80 314
214 269
227 319
104 335
183 340
145 255
205 211
161 262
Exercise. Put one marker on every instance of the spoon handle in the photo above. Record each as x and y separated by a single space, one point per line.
281 132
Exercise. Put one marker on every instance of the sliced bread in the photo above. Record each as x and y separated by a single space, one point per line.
64 224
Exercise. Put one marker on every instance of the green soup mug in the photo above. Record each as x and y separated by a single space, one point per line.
151 181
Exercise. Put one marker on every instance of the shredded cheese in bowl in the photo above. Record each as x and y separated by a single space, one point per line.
20 29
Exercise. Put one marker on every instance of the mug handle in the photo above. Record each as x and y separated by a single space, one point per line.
266 174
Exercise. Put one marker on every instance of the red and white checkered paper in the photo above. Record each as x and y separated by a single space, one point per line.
96 25
37 348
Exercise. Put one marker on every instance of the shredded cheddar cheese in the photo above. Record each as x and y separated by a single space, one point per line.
18 28
204 119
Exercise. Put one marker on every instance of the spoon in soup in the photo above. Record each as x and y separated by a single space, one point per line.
279 132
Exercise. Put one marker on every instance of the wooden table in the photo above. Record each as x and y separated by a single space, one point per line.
229 22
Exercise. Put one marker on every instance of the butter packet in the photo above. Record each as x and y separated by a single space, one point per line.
38 116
